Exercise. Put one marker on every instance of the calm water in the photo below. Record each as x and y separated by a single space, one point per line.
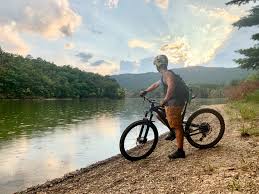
42 140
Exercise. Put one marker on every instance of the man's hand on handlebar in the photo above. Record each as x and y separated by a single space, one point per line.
143 93
162 103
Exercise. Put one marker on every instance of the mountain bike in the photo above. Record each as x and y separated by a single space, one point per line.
203 129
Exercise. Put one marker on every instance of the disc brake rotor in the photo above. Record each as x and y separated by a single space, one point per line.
205 130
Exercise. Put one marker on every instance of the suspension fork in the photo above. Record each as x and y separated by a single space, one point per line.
146 132
142 127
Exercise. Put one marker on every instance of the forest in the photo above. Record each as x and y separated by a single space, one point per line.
25 77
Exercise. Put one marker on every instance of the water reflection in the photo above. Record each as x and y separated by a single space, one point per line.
30 118
41 140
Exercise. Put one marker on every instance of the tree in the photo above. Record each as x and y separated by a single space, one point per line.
29 57
239 2
251 60
32 78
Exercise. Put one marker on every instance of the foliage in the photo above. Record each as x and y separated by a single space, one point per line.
251 55
248 108
241 90
32 78
253 97
208 90
251 20
239 2
253 76
251 60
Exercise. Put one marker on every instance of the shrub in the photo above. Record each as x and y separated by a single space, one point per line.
240 91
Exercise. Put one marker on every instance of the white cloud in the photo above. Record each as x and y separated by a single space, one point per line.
51 19
217 13
104 68
135 43
209 31
11 41
163 4
69 45
112 3
177 51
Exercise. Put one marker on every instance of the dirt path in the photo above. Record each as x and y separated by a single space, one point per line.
231 167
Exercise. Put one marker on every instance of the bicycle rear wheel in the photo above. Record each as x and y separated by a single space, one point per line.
138 140
205 128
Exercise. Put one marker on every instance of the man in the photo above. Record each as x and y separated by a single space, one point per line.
176 94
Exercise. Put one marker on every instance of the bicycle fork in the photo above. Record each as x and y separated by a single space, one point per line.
141 139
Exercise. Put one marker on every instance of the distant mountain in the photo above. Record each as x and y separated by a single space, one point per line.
192 75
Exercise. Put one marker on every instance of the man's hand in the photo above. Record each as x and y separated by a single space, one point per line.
143 93
163 102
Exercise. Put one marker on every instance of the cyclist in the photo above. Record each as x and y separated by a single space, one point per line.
176 94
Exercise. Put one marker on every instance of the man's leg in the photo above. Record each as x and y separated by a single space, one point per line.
171 136
174 117
179 136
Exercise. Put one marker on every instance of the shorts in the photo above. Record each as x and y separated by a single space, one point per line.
174 116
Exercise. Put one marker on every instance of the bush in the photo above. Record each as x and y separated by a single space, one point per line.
253 97
240 91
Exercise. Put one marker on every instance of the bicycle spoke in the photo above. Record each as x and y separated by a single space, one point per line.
135 142
206 130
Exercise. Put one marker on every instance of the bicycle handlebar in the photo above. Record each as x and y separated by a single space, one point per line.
151 100
155 102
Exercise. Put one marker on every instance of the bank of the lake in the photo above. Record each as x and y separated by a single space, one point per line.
44 139
232 166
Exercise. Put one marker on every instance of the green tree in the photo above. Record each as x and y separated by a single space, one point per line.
239 2
32 78
251 55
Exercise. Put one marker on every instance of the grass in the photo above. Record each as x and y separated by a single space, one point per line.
234 184
248 109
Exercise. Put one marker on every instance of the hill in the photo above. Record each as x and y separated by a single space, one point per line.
197 75
36 78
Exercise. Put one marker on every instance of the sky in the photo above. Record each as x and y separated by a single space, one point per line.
123 36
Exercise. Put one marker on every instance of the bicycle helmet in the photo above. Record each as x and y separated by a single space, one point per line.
160 60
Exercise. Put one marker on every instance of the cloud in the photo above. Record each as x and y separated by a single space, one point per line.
135 43
51 19
163 4
97 63
129 66
84 57
103 68
95 31
209 31
216 13
69 45
11 41
112 3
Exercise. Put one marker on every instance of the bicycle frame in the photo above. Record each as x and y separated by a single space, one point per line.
159 110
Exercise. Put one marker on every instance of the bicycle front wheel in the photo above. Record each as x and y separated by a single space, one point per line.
138 140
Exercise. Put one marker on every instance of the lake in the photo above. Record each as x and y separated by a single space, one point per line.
44 139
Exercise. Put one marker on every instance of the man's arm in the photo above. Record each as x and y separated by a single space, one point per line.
153 86
170 86
150 88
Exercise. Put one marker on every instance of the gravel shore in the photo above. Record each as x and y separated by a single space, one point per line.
230 167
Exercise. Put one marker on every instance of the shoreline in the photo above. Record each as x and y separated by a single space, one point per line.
71 174
53 99
77 172
230 166
57 99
